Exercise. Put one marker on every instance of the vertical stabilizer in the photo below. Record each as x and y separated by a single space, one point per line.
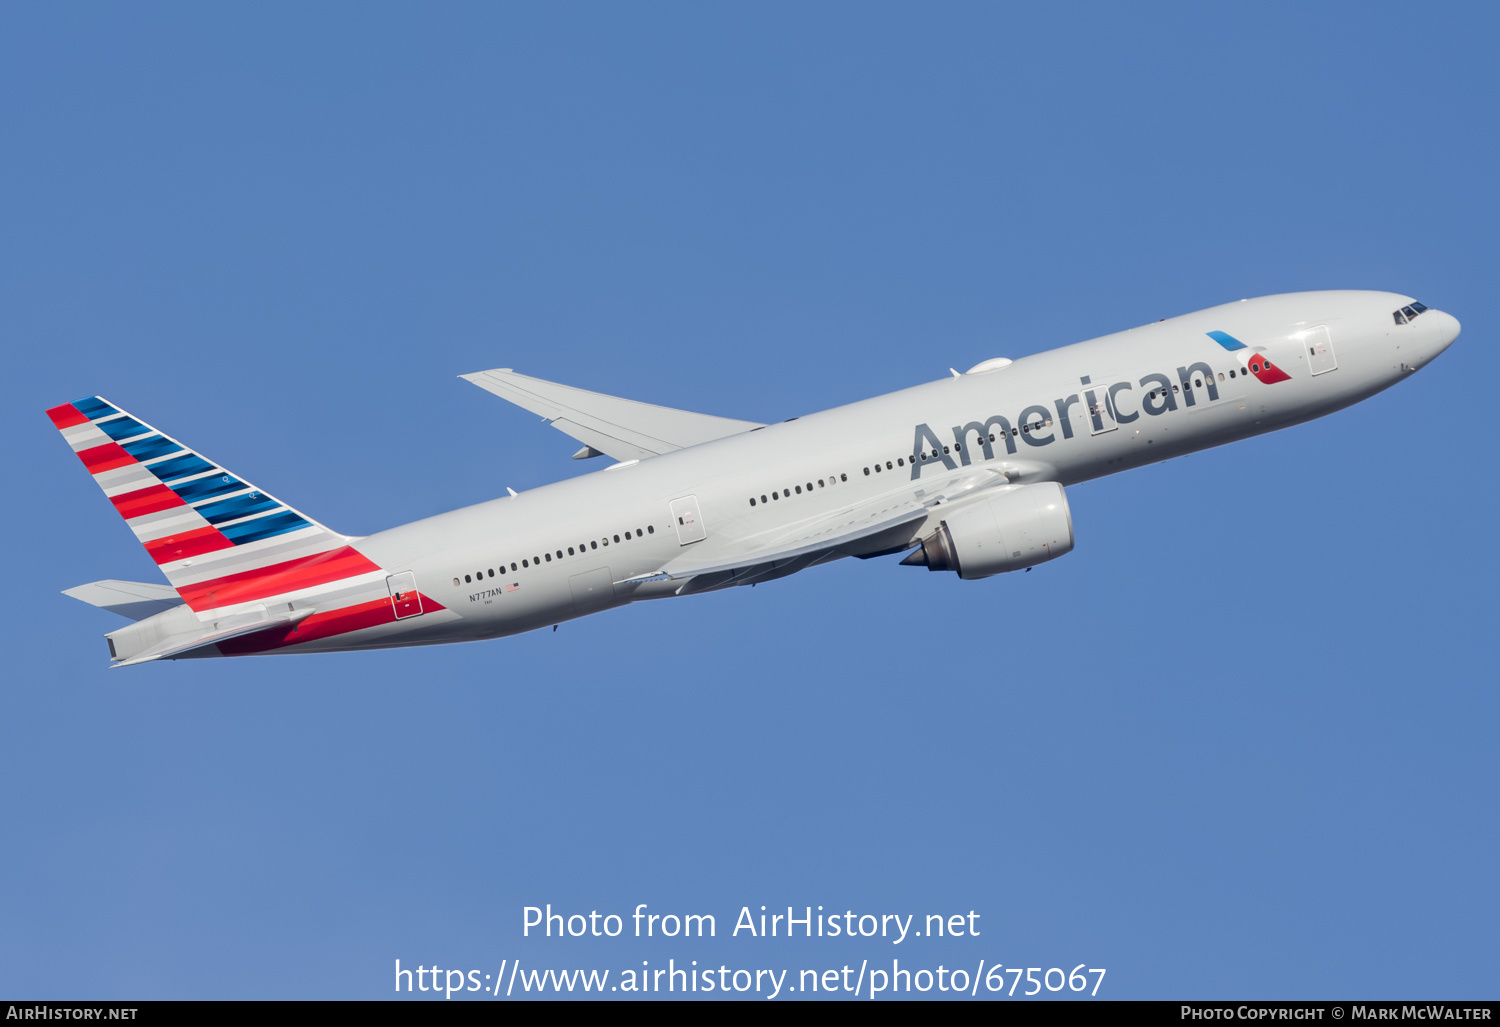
219 540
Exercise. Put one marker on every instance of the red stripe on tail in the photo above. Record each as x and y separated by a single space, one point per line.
186 544
277 579
147 500
66 416
104 458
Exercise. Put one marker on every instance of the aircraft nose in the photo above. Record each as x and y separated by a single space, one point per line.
1445 329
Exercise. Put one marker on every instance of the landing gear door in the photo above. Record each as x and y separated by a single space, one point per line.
405 599
1320 356
688 520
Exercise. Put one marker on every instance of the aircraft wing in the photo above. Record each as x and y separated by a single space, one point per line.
851 531
621 428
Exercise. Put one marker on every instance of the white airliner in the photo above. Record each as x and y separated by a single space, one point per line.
966 474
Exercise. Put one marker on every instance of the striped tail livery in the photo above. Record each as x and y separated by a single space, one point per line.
239 560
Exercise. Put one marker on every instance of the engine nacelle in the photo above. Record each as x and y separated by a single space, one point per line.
1020 527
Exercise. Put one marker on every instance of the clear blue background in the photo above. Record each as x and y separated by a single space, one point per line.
1240 743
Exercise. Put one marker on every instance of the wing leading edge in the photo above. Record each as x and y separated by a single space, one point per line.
622 428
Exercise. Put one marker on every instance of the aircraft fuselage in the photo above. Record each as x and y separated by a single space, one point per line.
1067 415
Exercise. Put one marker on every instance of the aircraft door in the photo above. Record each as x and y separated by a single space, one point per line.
688 520
405 599
1320 356
1097 408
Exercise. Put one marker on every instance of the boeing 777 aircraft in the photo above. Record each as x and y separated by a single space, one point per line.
966 474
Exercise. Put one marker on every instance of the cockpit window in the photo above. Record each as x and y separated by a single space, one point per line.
1408 313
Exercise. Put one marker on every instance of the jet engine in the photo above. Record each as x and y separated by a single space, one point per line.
1020 527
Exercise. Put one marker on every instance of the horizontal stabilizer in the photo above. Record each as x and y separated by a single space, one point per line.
222 631
622 428
136 600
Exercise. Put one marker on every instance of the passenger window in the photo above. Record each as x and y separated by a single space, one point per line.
549 557
776 495
888 465
762 499
877 468
843 477
1221 376
513 566
593 545
605 540
799 490
752 500
559 554
617 538
456 582
467 579
627 536
651 530
900 462
492 572
820 483
867 472
945 449
809 486
570 550
525 563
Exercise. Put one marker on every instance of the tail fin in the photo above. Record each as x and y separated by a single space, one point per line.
219 540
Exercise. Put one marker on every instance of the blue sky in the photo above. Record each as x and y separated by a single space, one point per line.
1239 743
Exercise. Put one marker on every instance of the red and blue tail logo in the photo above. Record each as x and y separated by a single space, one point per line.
219 540
1253 361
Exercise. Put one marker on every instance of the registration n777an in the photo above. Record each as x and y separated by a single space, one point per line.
964 474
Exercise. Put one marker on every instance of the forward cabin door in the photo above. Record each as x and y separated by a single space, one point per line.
1319 345
688 520
405 599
